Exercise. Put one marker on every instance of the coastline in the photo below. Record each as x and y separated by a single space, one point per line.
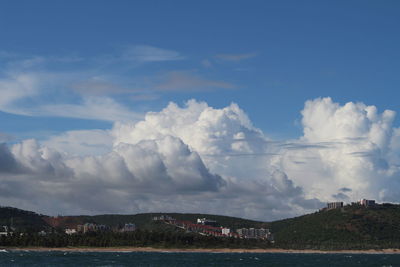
200 250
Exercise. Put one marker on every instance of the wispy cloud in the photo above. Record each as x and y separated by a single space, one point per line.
5 137
27 93
145 97
146 53
95 108
189 81
206 63
97 86
151 86
90 88
235 57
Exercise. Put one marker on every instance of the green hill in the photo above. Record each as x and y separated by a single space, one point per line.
352 227
22 220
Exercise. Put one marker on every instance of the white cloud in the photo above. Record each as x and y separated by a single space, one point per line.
24 94
15 87
81 143
96 108
180 159
357 151
201 159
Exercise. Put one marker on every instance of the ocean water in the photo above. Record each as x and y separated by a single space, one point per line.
26 258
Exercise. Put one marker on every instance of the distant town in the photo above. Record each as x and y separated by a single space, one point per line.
203 226
209 227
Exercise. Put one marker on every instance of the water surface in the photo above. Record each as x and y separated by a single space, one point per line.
57 258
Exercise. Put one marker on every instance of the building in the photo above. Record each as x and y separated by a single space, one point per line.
367 202
42 233
226 231
4 230
129 227
251 233
163 218
334 205
260 233
70 231
205 221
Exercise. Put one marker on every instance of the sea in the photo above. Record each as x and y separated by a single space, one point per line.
47 258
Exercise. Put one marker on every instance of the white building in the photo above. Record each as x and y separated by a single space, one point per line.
129 227
3 230
255 233
205 221
226 231
334 205
367 202
70 231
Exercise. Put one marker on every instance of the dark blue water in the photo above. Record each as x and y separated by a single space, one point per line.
22 258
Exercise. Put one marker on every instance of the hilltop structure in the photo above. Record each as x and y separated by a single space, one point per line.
334 205
367 202
363 202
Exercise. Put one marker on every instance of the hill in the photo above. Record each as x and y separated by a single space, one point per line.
351 227
22 220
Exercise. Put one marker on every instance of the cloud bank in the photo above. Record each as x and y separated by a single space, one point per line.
197 158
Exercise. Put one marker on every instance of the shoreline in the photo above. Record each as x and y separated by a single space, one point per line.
200 250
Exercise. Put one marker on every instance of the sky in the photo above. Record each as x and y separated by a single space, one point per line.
261 109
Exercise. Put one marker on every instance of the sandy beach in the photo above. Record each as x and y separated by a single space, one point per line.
201 250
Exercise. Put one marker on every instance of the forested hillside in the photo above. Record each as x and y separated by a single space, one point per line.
350 227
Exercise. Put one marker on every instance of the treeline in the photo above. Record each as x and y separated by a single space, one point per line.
162 239
138 238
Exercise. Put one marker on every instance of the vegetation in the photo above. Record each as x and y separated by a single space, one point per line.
143 220
138 238
351 227
24 221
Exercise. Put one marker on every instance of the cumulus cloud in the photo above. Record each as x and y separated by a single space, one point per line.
359 154
81 143
197 158
7 161
152 169
193 159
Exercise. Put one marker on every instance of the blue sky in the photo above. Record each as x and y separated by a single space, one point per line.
267 56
